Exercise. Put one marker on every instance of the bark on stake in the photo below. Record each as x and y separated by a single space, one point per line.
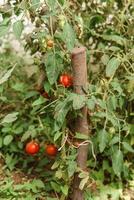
81 126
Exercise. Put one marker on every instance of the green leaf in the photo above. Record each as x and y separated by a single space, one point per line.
3 30
4 76
7 139
57 135
25 136
61 111
81 136
128 147
55 165
83 182
114 140
72 166
112 102
112 66
64 189
103 139
69 36
18 28
39 101
105 59
35 4
116 38
47 86
55 186
53 67
51 4
61 2
10 118
38 183
78 101
4 27
117 162
1 142
91 103
59 174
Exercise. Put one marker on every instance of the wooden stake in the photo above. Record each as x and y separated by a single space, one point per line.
81 124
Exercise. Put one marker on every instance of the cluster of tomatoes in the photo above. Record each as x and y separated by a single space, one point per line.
33 148
65 80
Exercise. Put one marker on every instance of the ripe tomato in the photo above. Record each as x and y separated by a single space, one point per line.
45 95
66 80
51 150
32 147
50 43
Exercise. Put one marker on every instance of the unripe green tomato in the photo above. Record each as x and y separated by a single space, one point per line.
61 21
112 130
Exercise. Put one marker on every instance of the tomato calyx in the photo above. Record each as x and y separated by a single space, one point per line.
32 147
66 80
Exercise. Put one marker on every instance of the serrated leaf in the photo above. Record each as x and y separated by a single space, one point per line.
117 162
61 111
128 147
64 189
69 36
55 165
112 66
10 118
38 183
18 28
81 136
5 75
116 38
91 103
53 67
78 101
39 101
4 27
58 174
35 4
83 182
7 139
114 140
51 4
103 139
57 135
3 30
105 59
55 186
72 166
1 142
25 136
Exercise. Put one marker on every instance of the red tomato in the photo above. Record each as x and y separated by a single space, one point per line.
66 80
51 150
32 147
45 95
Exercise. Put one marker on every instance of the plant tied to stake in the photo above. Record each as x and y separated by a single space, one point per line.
81 124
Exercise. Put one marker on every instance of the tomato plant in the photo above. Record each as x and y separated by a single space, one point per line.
36 40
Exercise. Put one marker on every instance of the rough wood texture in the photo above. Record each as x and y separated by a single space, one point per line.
81 124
